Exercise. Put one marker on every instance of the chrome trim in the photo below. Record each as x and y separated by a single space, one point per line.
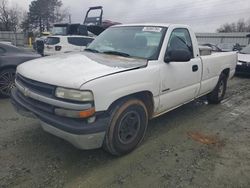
29 93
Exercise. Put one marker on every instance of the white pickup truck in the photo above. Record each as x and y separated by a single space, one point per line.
104 96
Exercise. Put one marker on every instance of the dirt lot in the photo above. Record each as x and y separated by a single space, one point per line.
197 145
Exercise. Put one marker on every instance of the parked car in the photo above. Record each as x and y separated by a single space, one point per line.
61 44
237 47
129 74
213 46
10 58
6 42
228 47
243 64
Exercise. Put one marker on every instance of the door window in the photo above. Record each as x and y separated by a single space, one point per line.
78 41
180 40
2 50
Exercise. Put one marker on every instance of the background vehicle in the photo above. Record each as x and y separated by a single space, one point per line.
93 23
228 47
237 47
5 42
10 58
104 96
61 44
92 26
243 64
213 46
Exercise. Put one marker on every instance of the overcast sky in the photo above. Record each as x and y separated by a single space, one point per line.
202 15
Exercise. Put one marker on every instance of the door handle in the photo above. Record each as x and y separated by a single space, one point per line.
195 68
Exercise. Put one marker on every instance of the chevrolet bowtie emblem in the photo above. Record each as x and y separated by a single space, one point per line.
26 92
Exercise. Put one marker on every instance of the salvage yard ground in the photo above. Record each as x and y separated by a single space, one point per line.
197 145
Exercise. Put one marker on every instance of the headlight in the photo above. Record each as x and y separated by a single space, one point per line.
239 63
75 95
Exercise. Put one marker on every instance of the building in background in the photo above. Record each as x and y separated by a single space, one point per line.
217 38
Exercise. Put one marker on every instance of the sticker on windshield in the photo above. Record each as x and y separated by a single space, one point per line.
152 29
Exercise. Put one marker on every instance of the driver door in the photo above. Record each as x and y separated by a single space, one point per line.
180 81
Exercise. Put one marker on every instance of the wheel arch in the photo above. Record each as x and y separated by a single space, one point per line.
226 72
145 96
7 67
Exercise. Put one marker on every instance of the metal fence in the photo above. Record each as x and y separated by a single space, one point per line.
17 39
216 38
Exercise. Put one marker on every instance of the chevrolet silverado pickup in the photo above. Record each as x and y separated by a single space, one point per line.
105 96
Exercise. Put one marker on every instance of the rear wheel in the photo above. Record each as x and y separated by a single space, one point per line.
127 128
217 95
7 82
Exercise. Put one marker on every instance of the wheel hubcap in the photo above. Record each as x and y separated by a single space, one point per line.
7 82
221 89
129 127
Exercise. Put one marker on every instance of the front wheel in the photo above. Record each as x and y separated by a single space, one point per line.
7 82
127 127
217 95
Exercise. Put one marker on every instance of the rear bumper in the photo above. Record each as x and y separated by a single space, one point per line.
81 134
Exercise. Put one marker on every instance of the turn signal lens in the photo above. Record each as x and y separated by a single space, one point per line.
87 113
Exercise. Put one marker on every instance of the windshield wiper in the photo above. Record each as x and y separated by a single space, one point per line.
116 53
91 50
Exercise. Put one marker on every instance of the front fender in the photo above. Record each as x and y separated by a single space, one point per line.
108 89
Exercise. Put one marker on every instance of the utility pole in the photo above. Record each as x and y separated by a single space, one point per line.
248 36
70 18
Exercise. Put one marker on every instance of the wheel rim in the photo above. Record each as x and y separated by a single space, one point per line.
129 127
7 82
221 89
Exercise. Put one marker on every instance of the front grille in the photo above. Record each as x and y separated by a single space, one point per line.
37 104
38 87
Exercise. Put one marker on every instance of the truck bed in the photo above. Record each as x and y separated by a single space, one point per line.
212 66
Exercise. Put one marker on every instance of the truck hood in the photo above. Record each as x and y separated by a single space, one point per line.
72 70
244 57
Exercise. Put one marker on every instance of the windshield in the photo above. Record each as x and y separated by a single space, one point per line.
246 50
59 31
135 41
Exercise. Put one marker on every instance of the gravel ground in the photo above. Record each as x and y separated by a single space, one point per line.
197 145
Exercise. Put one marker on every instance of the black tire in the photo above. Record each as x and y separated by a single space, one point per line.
217 95
127 128
7 81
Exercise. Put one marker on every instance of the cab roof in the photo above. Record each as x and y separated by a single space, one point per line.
144 24
151 24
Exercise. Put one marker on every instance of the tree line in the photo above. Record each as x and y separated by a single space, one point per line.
43 13
240 26
9 17
40 17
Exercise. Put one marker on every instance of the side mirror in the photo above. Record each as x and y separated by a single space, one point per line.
177 56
